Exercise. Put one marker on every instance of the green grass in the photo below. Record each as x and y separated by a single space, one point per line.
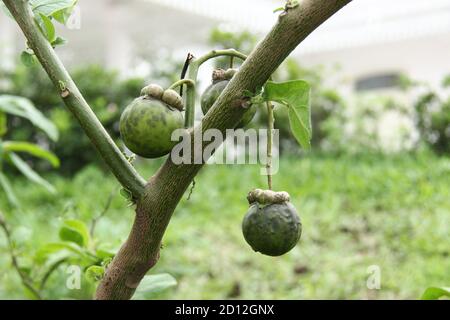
357 211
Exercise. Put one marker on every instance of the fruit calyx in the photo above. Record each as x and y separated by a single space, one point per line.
169 96
221 74
267 197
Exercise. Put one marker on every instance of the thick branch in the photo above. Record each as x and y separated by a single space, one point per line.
165 189
120 167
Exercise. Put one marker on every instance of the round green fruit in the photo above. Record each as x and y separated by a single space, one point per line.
213 92
272 229
146 126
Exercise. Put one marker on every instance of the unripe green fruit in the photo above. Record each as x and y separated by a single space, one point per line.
272 229
213 92
146 126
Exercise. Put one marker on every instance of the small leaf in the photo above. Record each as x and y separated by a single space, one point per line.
278 9
75 231
29 173
28 59
59 41
63 15
126 194
296 95
32 149
51 7
47 27
50 249
152 284
22 107
434 293
95 273
6 186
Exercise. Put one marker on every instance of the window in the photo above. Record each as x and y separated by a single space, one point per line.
380 81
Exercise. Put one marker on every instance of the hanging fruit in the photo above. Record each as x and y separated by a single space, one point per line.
147 123
221 78
271 225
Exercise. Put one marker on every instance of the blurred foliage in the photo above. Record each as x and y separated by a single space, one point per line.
371 123
104 90
357 211
10 150
433 117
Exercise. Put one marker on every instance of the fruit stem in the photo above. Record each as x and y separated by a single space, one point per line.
179 83
194 66
270 126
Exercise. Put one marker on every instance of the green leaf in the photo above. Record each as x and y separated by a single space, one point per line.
24 108
31 175
3 126
104 254
75 231
28 59
59 41
51 7
47 27
296 95
50 249
434 293
95 273
63 15
6 186
33 149
152 284
126 194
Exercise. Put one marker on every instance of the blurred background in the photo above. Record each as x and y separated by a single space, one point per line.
373 191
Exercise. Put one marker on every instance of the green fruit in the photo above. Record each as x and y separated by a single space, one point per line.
213 92
273 229
146 127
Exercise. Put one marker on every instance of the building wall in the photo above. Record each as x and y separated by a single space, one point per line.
425 58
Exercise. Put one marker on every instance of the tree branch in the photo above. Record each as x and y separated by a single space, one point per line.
194 66
26 281
165 189
75 102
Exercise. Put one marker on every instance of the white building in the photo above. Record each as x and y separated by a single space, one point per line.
371 40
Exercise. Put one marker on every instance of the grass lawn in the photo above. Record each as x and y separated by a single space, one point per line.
357 211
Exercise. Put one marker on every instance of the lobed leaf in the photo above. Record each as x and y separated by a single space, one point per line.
296 96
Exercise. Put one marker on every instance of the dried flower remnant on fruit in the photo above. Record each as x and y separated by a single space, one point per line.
153 90
173 99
